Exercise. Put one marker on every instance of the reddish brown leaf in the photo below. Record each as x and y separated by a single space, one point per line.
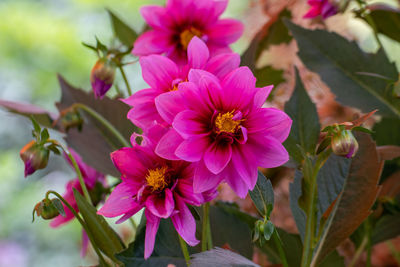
388 152
354 204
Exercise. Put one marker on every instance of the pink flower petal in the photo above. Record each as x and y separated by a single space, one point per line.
145 95
128 163
144 115
189 123
161 206
262 95
159 71
85 244
235 181
193 99
313 12
223 64
245 165
239 89
156 17
185 189
225 31
152 224
270 152
193 148
184 222
168 105
203 179
129 214
120 201
198 53
168 144
217 157
152 42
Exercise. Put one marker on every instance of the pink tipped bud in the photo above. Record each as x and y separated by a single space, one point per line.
344 144
102 77
34 156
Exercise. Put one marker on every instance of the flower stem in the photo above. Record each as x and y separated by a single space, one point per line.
359 251
205 227
184 250
83 224
128 87
310 173
371 22
278 243
104 122
80 177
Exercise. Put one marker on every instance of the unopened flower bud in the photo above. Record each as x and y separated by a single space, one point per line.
47 209
102 77
35 157
71 118
344 144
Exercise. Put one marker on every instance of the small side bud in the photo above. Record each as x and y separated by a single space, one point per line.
344 144
34 156
47 209
102 77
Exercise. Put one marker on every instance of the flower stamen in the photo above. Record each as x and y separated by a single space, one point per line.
225 123
156 178
187 35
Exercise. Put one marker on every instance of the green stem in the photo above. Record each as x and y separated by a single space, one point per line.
184 250
310 175
128 87
119 93
83 224
278 243
103 121
209 235
205 227
134 226
80 177
359 251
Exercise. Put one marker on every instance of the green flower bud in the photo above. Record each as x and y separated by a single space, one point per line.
35 157
344 144
47 209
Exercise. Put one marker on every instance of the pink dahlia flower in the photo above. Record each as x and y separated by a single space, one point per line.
223 129
174 25
163 76
94 182
321 7
162 187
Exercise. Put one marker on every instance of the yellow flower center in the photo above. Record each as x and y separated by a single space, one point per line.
175 88
187 35
225 123
156 178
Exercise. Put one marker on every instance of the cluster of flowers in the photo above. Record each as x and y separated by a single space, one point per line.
202 119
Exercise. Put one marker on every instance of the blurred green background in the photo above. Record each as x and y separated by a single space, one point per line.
38 39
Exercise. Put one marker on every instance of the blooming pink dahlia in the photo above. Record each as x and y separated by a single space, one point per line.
163 76
94 182
321 7
223 129
174 25
160 186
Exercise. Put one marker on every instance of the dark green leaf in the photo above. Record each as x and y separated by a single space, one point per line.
338 64
219 257
263 195
124 33
268 76
387 132
226 229
57 203
296 192
386 228
356 199
94 142
40 115
104 236
305 128
194 212
44 136
166 249
386 19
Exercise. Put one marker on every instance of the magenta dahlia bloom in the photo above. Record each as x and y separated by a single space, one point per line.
162 187
223 129
94 182
163 75
174 25
321 7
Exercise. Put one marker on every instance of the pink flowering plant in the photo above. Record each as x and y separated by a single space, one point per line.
213 121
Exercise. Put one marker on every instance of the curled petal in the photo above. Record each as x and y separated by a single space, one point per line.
161 206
